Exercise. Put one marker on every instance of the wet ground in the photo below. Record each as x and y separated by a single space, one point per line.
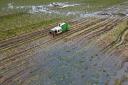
93 52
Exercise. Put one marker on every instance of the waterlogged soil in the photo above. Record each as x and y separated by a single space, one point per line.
67 63
93 52
58 9
72 58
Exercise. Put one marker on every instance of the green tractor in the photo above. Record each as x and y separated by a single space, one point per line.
62 27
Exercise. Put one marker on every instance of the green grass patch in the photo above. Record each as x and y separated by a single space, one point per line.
10 27
25 29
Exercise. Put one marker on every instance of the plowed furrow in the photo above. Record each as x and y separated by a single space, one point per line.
26 37
104 29
91 28
120 39
48 41
17 74
55 39
15 42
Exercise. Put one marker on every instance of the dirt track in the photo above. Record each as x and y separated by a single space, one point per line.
85 55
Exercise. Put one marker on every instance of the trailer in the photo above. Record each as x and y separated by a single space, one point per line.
62 27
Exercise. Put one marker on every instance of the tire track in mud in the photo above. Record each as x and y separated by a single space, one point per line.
37 69
101 27
104 29
2 60
120 39
12 59
48 37
18 39
111 47
27 49
109 28
57 38
91 29
40 33
15 42
6 43
13 77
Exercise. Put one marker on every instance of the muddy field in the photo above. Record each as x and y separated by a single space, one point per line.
93 52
